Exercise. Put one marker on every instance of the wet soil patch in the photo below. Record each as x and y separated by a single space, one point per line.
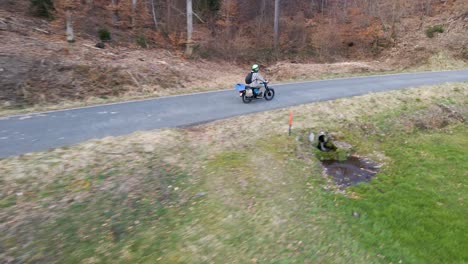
351 171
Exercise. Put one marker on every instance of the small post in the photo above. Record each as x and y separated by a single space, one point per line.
290 122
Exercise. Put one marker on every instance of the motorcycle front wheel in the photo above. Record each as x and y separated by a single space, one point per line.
269 94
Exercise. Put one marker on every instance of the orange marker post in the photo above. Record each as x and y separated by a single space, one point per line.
290 121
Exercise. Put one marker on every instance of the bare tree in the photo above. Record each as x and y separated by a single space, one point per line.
189 47
115 12
153 10
263 8
134 6
427 7
322 5
276 26
70 34
168 15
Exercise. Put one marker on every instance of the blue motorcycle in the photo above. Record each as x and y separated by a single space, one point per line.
250 93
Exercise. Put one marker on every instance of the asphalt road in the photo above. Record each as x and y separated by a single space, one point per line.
41 131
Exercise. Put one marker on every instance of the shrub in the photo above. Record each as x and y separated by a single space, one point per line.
141 41
42 8
214 5
104 34
464 53
431 30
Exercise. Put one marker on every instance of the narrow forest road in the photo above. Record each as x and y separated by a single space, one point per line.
40 131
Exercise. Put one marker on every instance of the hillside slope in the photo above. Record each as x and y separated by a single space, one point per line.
38 66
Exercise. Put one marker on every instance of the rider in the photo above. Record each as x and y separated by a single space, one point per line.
257 80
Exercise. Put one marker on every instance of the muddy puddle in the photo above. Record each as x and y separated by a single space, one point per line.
352 171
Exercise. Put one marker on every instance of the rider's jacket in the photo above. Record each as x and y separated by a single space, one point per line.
257 79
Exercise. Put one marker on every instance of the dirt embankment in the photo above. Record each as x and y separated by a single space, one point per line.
39 67
414 46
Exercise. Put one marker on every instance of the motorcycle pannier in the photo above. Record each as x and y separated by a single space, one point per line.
240 87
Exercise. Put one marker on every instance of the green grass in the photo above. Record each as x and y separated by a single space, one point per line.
415 210
434 29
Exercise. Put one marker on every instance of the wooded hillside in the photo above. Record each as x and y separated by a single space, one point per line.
53 51
326 30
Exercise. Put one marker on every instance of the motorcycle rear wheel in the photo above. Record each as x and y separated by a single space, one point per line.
246 99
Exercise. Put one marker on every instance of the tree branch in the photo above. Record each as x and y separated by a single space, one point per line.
154 15
182 13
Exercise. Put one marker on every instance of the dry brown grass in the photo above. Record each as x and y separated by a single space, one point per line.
95 153
304 71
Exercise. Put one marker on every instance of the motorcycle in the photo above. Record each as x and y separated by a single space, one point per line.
251 93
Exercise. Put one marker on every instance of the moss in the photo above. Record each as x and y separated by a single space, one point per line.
435 29
7 201
338 154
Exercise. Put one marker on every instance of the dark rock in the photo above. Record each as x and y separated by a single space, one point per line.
100 45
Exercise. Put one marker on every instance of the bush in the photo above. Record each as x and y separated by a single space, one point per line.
42 8
431 30
104 34
464 53
141 41
214 5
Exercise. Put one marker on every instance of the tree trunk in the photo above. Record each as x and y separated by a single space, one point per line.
262 22
263 10
276 26
134 6
168 16
428 7
70 34
115 12
153 9
322 5
189 49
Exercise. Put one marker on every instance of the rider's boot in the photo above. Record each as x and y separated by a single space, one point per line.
260 94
